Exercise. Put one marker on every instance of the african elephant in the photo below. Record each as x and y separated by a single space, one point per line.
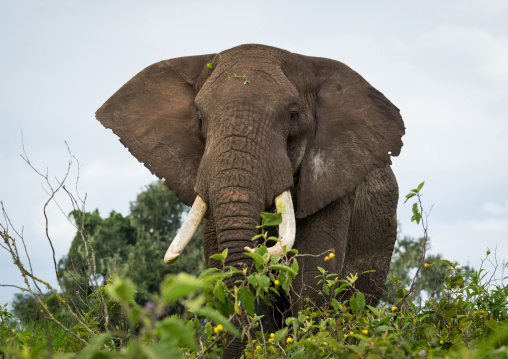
233 131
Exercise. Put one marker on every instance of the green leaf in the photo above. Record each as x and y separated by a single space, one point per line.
209 65
207 272
121 290
420 186
217 318
284 268
270 219
373 310
294 265
275 259
335 304
246 297
408 196
353 304
257 258
342 288
93 347
360 299
279 334
178 286
160 350
170 328
219 257
219 292
382 328
263 281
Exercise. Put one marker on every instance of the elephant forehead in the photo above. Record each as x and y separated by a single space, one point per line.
259 88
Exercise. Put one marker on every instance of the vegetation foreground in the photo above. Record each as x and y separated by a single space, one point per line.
99 314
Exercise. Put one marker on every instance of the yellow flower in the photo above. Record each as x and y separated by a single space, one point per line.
488 252
441 342
272 335
106 323
258 348
42 311
220 328
289 340
426 265
351 333
365 332
276 282
394 308
331 255
327 258
270 340
346 335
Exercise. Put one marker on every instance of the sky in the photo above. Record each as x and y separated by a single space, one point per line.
444 64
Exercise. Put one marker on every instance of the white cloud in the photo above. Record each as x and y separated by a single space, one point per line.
486 6
491 225
497 221
496 209
472 44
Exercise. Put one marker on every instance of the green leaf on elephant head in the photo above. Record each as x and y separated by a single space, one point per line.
246 297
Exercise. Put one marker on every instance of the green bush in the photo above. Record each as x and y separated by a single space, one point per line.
465 317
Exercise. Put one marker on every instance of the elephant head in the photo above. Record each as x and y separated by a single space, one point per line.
235 130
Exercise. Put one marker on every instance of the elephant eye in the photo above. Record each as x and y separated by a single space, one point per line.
293 116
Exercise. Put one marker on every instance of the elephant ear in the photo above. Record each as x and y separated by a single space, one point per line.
156 119
356 131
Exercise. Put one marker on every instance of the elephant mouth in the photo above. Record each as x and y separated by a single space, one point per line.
287 229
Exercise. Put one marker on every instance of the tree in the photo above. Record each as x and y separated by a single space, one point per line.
133 246
406 258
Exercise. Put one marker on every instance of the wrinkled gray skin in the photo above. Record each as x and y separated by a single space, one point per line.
308 124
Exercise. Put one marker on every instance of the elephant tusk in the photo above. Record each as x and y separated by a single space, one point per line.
287 229
186 231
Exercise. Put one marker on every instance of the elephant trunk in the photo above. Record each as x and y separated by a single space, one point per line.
236 213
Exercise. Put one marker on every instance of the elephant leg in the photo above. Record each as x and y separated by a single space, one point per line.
317 236
372 232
